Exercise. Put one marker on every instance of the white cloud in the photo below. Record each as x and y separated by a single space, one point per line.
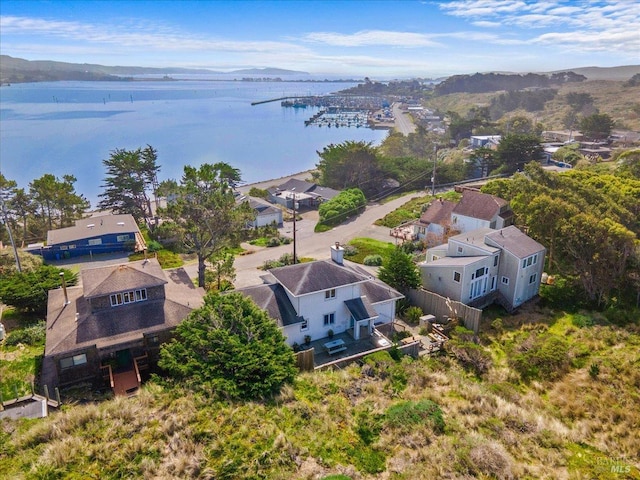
372 38
486 24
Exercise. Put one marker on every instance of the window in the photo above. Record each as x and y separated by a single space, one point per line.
434 257
305 324
532 260
505 280
493 283
330 319
533 278
74 361
459 249
495 261
95 241
128 297
480 272
122 238
456 277
330 294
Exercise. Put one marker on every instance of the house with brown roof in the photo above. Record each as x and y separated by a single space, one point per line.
484 266
112 324
442 217
93 236
315 297
479 210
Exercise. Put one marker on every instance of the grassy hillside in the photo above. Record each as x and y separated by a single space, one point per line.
413 419
612 97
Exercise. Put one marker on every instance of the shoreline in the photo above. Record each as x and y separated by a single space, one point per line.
264 184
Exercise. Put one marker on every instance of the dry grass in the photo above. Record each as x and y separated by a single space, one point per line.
334 423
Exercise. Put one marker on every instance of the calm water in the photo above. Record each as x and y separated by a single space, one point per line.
70 127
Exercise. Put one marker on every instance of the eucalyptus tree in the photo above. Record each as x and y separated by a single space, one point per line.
131 178
203 211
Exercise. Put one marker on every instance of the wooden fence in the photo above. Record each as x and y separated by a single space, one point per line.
432 303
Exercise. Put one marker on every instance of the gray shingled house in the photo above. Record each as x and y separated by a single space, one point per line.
111 326
484 266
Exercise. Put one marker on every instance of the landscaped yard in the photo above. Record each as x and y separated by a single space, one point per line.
368 246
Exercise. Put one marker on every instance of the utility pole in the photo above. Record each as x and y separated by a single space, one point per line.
295 258
433 176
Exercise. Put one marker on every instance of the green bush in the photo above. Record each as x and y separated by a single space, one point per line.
32 335
542 356
273 242
153 246
344 205
404 415
412 315
373 260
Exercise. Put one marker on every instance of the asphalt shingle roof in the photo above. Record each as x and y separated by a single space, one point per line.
514 241
274 300
305 278
101 281
479 205
93 227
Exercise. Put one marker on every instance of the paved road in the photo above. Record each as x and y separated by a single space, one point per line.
313 245
404 122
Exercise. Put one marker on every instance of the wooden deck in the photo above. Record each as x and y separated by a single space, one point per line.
126 383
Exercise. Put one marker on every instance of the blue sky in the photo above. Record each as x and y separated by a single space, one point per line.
379 39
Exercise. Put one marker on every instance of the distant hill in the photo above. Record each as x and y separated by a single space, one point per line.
266 71
18 70
624 72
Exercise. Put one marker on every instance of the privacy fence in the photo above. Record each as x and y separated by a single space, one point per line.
441 307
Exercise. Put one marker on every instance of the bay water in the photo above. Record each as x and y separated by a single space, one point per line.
70 127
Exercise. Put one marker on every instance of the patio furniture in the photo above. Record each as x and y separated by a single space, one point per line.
335 346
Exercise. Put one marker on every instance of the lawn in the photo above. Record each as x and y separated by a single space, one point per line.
368 246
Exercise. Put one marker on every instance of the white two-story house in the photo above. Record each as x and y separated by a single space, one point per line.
485 265
310 299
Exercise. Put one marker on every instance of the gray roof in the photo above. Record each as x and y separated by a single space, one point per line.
93 227
262 208
73 327
274 300
515 242
300 187
361 308
476 238
310 277
452 262
479 205
101 281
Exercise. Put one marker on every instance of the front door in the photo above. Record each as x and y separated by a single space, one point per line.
124 360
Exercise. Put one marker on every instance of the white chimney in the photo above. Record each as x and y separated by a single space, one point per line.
337 253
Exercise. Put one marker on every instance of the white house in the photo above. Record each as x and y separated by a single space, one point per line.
485 265
442 217
315 297
265 214
489 141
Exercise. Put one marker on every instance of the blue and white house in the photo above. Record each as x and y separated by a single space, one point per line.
93 236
